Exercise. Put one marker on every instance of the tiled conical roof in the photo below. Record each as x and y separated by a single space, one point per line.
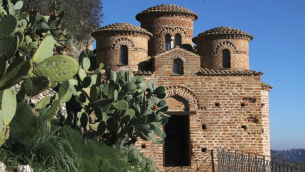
223 33
166 9
122 28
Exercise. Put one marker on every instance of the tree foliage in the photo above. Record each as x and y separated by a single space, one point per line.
84 16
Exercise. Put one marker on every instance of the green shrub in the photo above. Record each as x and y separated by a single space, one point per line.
136 160
95 156
33 143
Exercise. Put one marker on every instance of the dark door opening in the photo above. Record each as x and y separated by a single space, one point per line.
176 145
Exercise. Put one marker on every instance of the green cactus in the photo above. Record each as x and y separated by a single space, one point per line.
119 103
8 46
8 105
14 76
58 68
44 50
31 34
8 25
43 103
35 85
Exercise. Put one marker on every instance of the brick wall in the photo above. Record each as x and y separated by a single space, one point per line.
108 51
234 109
162 25
211 51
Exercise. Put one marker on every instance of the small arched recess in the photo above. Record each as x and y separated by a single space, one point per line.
226 59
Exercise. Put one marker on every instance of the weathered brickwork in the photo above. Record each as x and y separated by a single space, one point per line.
171 25
226 108
211 51
108 51
239 122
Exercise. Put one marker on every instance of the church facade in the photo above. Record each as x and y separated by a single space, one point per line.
215 100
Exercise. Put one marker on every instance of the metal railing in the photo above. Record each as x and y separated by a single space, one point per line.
203 162
239 162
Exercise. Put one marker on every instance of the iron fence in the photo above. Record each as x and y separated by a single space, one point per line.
203 162
239 162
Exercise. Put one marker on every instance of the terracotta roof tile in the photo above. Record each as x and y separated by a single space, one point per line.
212 72
166 9
121 28
266 86
140 72
223 32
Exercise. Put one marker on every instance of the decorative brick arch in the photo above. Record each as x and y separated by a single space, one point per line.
172 31
123 41
176 56
185 93
225 45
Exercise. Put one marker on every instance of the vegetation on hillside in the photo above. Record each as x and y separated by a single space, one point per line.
114 108
295 157
83 16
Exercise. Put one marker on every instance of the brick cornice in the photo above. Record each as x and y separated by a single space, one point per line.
177 48
212 72
266 87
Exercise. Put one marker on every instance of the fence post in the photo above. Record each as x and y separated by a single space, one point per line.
249 167
256 163
264 163
242 161
212 159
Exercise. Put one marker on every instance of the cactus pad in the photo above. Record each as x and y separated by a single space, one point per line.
35 85
120 105
8 47
8 105
44 50
58 68
8 25
14 76
43 103
3 66
1 121
53 109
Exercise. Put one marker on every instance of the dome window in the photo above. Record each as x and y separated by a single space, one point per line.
124 55
167 42
226 59
177 67
177 40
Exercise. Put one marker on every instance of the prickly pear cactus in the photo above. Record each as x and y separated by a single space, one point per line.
8 104
27 45
116 105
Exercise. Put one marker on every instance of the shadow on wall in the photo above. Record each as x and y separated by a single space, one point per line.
145 66
188 47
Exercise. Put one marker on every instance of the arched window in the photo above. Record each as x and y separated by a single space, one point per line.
167 42
124 55
177 67
226 59
177 40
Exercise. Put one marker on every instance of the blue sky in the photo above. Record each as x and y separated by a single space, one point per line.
278 49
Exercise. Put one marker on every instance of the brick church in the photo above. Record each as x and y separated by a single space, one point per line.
215 100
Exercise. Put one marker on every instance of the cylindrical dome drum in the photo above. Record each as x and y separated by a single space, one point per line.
171 26
224 48
122 46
